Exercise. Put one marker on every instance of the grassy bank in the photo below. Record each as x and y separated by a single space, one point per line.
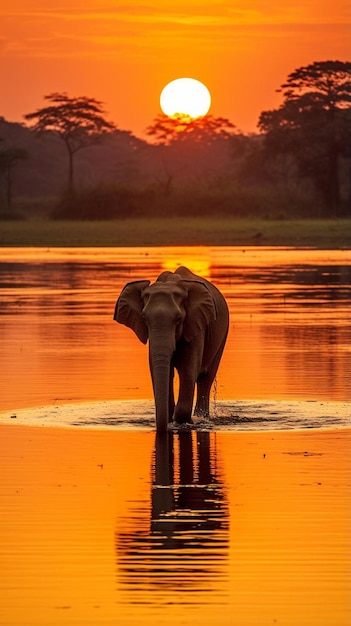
322 234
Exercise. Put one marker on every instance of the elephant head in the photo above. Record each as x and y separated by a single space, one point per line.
168 312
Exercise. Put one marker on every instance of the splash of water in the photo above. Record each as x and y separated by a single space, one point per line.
242 415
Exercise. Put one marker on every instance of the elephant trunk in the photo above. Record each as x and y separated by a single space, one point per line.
160 365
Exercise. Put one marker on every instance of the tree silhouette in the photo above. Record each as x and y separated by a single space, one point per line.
187 144
314 123
204 129
8 159
79 122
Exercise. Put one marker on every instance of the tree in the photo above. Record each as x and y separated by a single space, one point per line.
192 146
8 158
204 129
314 124
77 121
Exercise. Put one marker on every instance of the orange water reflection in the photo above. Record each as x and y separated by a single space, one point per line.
289 335
188 522
117 527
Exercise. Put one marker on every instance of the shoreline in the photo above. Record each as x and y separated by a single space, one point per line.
316 233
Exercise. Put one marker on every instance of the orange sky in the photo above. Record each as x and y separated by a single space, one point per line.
123 53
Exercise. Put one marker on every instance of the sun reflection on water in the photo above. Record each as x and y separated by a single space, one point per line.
198 265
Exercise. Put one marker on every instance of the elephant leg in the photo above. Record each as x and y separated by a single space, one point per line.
188 364
171 402
184 406
204 384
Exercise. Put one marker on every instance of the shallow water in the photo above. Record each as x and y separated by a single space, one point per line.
243 521
289 338
238 416
201 528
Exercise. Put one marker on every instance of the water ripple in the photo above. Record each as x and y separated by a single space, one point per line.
242 415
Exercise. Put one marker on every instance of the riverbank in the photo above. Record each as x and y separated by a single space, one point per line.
321 234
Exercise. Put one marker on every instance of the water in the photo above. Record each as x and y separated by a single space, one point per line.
242 521
289 338
122 527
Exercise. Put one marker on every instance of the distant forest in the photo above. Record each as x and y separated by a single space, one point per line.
68 161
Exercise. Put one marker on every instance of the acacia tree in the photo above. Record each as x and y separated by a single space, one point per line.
188 144
314 124
77 121
204 129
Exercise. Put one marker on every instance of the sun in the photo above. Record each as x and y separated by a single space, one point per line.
185 96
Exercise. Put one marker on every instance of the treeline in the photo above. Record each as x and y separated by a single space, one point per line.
69 161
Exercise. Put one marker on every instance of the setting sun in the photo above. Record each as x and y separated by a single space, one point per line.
185 96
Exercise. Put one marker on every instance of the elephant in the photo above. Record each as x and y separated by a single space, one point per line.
186 320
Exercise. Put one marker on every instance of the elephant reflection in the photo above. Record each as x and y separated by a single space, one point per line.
188 534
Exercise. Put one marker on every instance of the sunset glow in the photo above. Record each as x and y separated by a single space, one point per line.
123 55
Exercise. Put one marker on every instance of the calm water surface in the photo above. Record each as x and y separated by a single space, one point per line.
104 526
290 331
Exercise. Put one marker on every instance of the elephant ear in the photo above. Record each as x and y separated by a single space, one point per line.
200 308
129 307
